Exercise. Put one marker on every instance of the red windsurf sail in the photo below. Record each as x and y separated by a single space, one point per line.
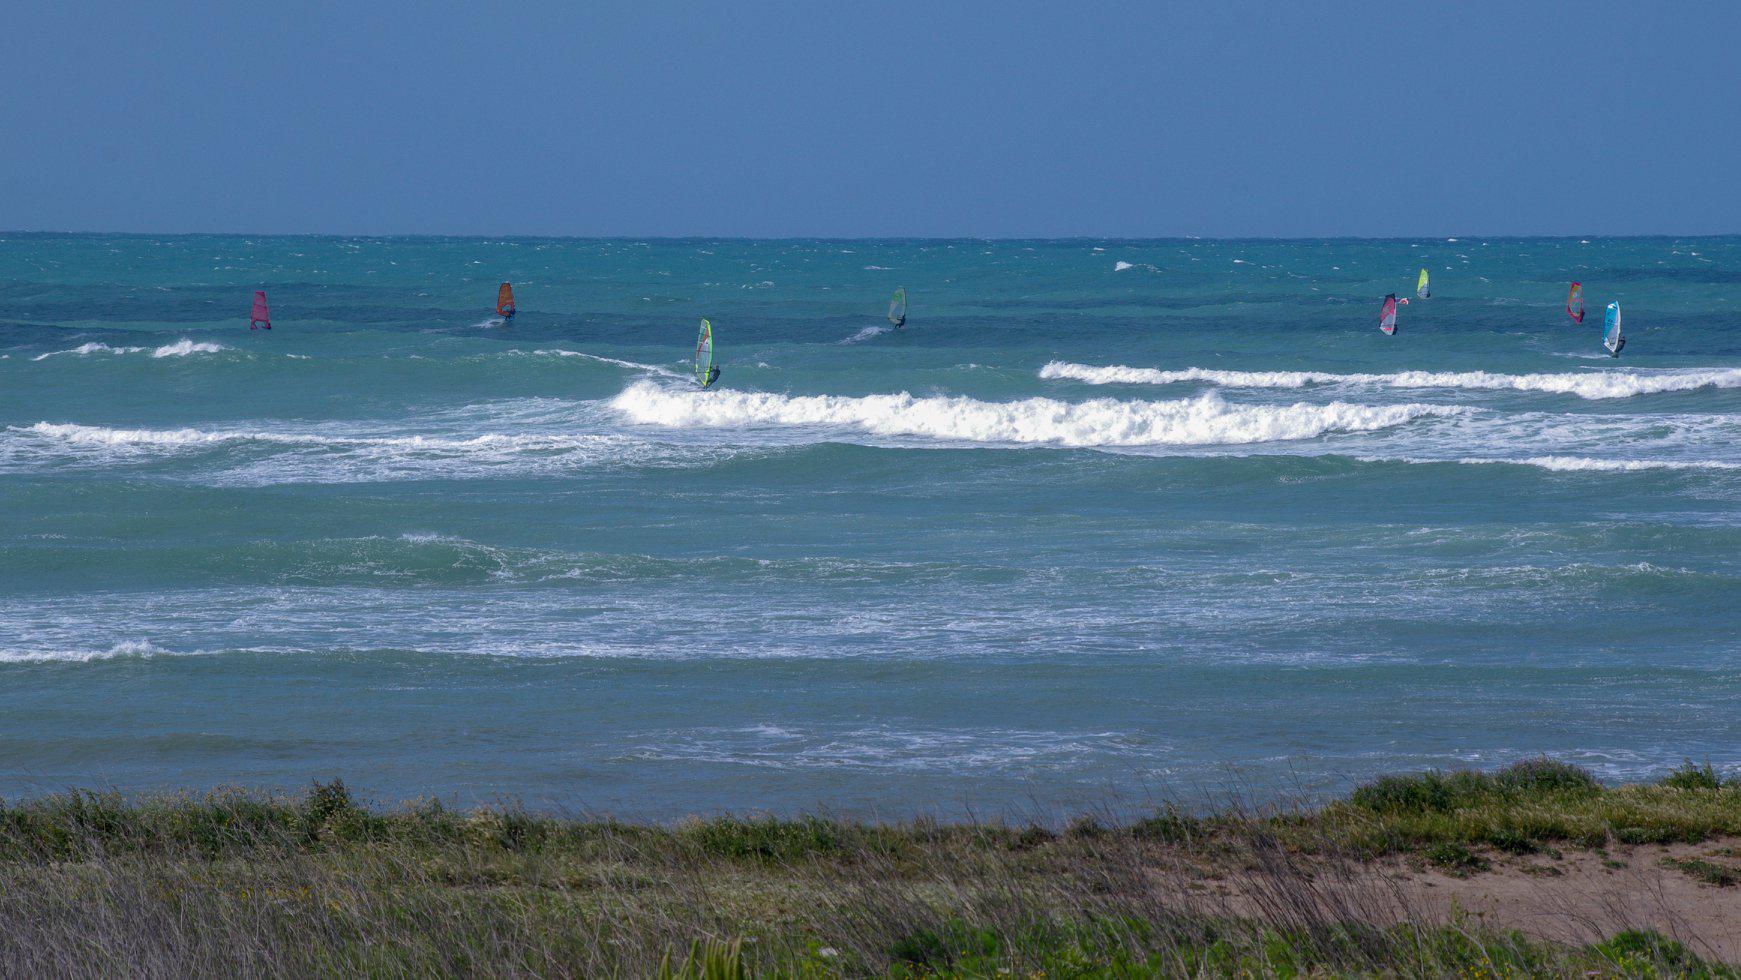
1387 314
260 318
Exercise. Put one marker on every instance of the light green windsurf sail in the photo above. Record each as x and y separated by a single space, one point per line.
1421 289
898 307
704 353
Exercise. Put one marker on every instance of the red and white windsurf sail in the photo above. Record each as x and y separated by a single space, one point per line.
1387 314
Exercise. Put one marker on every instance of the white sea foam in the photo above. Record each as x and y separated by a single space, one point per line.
97 435
635 365
1121 266
180 348
255 454
866 334
1588 384
184 347
1203 421
91 348
1577 464
45 654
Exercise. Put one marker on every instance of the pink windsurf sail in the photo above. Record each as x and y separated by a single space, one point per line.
1387 315
260 318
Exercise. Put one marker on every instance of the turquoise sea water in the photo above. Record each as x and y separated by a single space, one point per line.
1107 520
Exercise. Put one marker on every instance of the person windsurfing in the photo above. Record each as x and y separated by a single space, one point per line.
505 301
898 308
1387 315
706 372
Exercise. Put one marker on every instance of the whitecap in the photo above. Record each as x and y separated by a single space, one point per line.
1589 384
1203 421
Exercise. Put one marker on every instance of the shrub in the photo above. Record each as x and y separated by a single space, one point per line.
1169 826
1455 858
1709 872
767 838
1512 840
1426 792
1690 776
1544 775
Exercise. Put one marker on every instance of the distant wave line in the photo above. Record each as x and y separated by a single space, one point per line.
1590 385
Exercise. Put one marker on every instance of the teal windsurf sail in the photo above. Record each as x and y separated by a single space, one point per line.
1612 338
898 307
704 354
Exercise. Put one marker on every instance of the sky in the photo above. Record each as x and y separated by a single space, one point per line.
933 119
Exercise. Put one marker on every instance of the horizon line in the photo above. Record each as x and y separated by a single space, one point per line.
859 238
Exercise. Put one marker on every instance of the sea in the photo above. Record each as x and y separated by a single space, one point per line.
1105 523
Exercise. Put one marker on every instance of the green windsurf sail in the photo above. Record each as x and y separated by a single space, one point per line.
1421 289
898 307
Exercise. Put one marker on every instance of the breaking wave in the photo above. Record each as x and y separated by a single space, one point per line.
1591 384
1577 464
137 649
247 456
180 348
1202 421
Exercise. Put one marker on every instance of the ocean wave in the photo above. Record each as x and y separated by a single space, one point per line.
180 348
633 365
866 334
1206 420
1577 464
259 456
98 435
137 649
1590 385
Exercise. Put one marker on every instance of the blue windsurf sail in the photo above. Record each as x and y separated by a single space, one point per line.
1612 338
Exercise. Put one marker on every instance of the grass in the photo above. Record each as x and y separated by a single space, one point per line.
237 883
1709 872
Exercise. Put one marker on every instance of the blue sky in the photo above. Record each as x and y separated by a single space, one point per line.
872 119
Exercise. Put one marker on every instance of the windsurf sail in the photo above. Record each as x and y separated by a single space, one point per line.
1575 303
1387 314
259 318
1611 336
898 307
704 354
1421 289
505 301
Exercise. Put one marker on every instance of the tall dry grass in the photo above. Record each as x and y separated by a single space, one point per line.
240 884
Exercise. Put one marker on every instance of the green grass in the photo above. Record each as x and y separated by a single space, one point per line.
1523 808
1709 872
237 883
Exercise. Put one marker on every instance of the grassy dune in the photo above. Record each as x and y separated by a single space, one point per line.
236 883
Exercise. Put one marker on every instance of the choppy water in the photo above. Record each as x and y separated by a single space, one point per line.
1106 518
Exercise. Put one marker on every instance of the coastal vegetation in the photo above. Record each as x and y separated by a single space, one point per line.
243 883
